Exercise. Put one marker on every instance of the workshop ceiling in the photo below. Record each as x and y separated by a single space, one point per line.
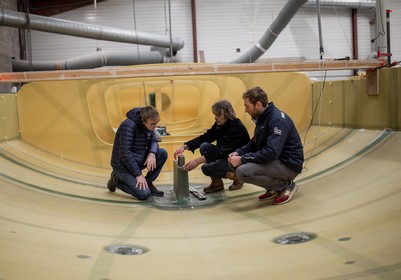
51 7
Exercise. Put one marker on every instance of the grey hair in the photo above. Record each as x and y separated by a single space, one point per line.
224 107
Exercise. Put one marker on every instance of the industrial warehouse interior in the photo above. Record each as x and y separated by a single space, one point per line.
69 73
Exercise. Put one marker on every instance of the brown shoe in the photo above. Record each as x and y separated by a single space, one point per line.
216 185
237 184
230 175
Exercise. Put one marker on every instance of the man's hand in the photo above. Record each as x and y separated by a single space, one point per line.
151 162
192 164
141 183
233 154
234 160
179 151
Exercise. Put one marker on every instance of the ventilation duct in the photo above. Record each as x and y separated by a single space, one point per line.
93 60
352 4
59 26
283 18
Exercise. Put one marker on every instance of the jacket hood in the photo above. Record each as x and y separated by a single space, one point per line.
133 114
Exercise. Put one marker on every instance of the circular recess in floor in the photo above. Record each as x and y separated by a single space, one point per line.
294 238
126 250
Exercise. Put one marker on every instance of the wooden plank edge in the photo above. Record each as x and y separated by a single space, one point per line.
189 69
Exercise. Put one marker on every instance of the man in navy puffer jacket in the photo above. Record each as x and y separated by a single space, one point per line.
274 156
136 148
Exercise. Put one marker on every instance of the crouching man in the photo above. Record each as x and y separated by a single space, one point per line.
274 156
135 149
229 133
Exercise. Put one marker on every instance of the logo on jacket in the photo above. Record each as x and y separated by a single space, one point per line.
277 131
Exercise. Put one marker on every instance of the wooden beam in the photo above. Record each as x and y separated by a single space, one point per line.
161 70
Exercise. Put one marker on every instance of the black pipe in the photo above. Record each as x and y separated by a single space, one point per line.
194 31
388 36
355 53
319 24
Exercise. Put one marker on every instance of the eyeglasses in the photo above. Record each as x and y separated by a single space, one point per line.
152 123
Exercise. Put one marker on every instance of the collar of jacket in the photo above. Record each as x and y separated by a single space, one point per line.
265 112
223 125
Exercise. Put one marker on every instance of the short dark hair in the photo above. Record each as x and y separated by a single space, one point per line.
224 107
256 94
149 113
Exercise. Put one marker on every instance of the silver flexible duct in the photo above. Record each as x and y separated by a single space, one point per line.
283 18
93 60
59 26
352 4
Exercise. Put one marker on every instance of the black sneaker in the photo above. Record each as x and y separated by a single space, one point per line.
154 191
112 183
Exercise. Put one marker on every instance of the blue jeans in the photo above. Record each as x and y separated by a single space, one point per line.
214 167
127 181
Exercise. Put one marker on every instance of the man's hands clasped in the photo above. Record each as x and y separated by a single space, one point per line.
234 159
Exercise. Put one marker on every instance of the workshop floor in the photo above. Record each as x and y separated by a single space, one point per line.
58 220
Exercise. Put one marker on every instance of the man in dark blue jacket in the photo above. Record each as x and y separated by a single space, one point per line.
274 156
136 148
229 133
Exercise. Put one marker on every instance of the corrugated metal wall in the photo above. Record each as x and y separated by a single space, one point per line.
139 15
239 25
225 29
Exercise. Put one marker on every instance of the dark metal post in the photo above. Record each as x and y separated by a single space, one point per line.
388 36
181 183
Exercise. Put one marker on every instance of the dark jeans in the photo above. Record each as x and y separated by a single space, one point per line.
127 181
214 167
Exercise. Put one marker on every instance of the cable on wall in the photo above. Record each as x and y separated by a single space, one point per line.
135 29
171 35
95 10
319 100
382 32
29 39
318 104
321 49
166 28
342 29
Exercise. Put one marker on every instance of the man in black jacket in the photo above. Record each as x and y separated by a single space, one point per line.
274 156
136 148
229 133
